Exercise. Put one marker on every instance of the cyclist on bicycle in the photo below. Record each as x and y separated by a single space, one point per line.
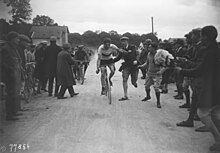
105 58
82 56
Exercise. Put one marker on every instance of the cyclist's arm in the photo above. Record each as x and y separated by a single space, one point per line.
98 61
86 57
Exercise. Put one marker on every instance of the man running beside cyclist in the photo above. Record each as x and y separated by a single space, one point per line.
129 66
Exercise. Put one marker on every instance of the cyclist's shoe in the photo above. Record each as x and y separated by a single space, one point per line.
74 94
61 97
135 85
97 71
103 91
45 90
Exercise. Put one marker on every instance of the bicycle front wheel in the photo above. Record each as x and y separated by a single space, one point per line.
109 94
82 76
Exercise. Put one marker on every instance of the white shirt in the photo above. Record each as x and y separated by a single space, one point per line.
106 54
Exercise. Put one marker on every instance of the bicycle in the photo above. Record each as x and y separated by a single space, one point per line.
28 85
81 71
107 87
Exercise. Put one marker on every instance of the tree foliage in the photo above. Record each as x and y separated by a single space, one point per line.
43 20
75 39
20 10
94 39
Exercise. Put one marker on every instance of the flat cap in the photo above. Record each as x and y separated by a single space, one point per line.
66 46
53 38
43 42
124 38
147 41
24 38
11 35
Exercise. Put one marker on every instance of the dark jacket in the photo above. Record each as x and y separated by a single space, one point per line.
180 52
207 74
21 52
130 56
143 56
194 55
11 64
81 55
64 70
50 60
40 64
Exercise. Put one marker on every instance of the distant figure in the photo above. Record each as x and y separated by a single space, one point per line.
81 55
143 56
40 66
23 45
51 65
65 77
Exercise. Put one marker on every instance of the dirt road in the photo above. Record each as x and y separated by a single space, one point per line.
88 124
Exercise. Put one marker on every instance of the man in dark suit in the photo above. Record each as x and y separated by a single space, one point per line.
12 74
179 52
65 77
51 65
129 66
143 56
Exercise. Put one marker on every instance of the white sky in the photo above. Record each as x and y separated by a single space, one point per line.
172 18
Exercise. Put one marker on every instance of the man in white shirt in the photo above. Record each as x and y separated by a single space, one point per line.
106 51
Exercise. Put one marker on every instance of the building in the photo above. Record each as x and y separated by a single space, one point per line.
40 33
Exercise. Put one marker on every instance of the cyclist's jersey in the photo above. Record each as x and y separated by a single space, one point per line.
106 54
81 55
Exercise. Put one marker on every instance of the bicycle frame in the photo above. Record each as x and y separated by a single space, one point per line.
81 72
108 87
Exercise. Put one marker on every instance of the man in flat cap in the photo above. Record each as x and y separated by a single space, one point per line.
129 67
40 65
12 74
65 77
50 60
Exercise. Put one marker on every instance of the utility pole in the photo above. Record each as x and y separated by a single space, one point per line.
152 22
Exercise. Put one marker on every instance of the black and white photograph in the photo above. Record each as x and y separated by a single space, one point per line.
109 76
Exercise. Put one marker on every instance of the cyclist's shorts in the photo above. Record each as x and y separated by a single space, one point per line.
106 62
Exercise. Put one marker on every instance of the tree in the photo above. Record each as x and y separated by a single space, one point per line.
75 39
20 10
91 38
103 35
151 36
42 20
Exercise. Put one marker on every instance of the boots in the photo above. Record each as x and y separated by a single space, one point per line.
148 95
158 99
164 89
187 104
180 92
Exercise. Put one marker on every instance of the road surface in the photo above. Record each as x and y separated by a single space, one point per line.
88 124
